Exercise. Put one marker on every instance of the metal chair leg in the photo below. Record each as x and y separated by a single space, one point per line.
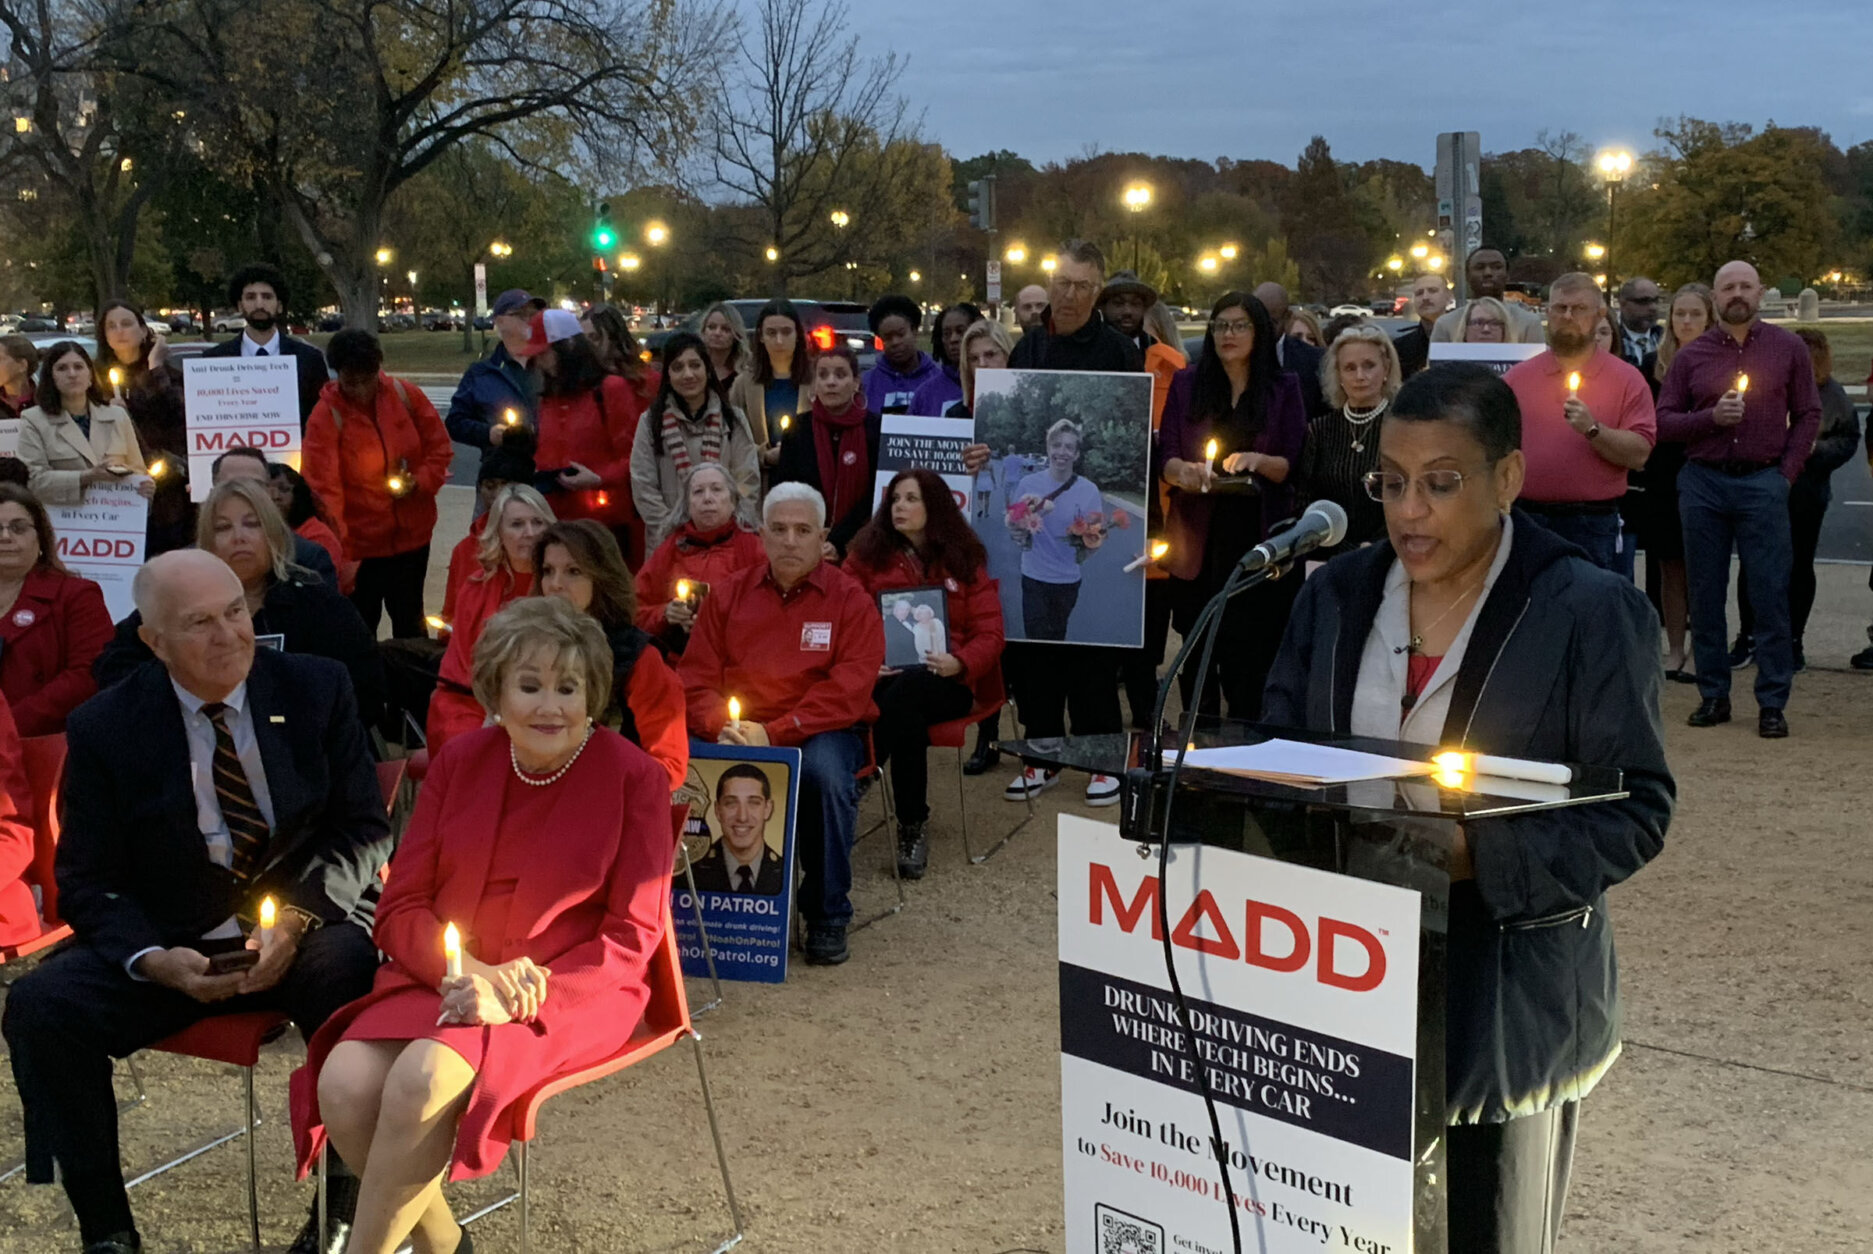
721 1155
136 1078
254 1121
526 1227
702 930
319 1195
997 847
962 805
884 796
253 1164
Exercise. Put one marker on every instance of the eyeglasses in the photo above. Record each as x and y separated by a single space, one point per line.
1390 489
1487 322
1241 326
1075 287
19 527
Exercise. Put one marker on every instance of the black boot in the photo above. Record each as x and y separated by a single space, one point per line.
913 851
987 756
341 1207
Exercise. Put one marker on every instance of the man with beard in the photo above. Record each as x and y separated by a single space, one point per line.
1742 399
1488 274
1123 304
259 293
1586 420
1031 306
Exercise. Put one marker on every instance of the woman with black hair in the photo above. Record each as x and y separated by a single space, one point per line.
945 387
833 447
73 437
310 520
618 350
133 369
1237 397
690 424
770 388
901 367
588 423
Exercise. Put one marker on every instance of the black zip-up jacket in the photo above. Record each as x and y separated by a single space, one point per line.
1562 666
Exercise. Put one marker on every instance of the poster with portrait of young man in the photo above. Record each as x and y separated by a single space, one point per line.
738 839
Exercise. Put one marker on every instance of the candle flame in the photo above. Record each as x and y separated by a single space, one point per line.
117 377
268 912
1452 761
1573 381
451 942
511 417
396 485
786 420
1158 549
435 621
1209 451
1742 384
682 589
158 468
734 709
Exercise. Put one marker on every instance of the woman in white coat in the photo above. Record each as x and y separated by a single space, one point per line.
71 438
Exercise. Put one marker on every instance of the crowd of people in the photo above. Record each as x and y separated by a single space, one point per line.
694 551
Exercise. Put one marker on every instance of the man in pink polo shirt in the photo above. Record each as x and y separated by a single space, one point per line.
1581 441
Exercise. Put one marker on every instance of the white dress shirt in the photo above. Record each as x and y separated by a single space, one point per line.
735 867
273 347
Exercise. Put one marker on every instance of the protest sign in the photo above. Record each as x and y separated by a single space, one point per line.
1498 357
9 437
1070 456
738 840
239 401
102 539
934 444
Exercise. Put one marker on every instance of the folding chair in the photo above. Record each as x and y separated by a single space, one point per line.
953 735
869 770
666 1021
390 777
679 817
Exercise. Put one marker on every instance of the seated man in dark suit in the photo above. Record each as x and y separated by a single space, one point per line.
259 293
204 783
741 861
242 462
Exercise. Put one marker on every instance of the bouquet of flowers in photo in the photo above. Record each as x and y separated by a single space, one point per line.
1088 531
1025 518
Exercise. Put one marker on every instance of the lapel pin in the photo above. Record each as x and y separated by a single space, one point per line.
276 718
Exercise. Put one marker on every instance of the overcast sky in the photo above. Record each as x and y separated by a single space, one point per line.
1256 78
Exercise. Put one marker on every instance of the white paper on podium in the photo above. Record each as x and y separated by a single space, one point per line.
1308 765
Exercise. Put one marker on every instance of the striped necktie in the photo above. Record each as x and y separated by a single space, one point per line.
247 827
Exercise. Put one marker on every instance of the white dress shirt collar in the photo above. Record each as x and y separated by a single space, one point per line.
273 346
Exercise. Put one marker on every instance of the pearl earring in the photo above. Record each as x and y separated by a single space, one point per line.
497 720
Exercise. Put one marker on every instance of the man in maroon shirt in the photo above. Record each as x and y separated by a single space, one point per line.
799 643
1742 400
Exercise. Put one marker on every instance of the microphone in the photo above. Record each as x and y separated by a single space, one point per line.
1323 525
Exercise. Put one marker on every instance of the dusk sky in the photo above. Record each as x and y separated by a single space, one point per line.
1231 78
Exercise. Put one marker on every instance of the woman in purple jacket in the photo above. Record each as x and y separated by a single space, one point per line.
1237 395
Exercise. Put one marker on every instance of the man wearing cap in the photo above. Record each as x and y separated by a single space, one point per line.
1124 302
259 292
490 389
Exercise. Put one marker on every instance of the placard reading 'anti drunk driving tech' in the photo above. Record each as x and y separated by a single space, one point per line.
235 402
1302 993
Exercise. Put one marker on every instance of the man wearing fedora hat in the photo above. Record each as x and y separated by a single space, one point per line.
1123 302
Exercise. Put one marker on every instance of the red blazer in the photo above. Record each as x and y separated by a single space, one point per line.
19 913
48 641
464 565
598 437
349 455
710 557
590 908
453 709
655 698
316 530
974 609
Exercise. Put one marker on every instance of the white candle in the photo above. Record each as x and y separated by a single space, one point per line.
268 912
1573 383
452 951
734 712
1209 453
511 418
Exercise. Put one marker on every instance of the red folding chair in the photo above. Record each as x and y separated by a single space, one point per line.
953 735
390 777
45 768
666 1021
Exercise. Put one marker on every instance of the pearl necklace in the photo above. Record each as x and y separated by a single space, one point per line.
554 778
1361 421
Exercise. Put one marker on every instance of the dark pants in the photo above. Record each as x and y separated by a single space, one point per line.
66 1020
1046 607
1053 680
1807 506
1138 668
1747 513
1246 643
393 583
828 823
1596 535
909 704
1508 1182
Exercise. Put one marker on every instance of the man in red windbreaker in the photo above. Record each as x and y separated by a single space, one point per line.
799 643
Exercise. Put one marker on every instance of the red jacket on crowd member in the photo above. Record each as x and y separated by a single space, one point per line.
320 533
700 556
974 614
453 709
464 565
57 627
598 436
19 912
349 456
801 662
654 697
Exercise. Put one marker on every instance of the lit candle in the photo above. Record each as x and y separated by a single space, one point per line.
1209 455
268 912
452 951
397 484
1573 383
734 710
1158 549
158 468
511 417
786 420
117 379
1742 384
436 622
682 589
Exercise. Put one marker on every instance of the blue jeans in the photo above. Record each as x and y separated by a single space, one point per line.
1596 535
828 823
1747 513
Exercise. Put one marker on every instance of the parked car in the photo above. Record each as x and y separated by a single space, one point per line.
436 320
396 322
229 322
32 326
1355 311
332 322
827 322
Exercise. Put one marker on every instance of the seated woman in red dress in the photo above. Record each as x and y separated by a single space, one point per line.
506 574
579 562
418 1080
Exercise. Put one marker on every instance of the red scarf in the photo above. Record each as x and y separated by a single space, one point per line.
845 470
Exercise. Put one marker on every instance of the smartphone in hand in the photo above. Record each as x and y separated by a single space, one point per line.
232 961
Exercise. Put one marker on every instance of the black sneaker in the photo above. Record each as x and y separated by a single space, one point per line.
1743 652
1863 660
1713 711
986 757
1771 725
913 851
117 1243
825 944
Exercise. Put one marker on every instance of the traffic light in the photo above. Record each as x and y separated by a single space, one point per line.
604 238
982 203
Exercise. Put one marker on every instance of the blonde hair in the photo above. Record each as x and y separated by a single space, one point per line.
1461 332
1360 333
532 624
1668 344
272 525
1161 323
996 334
738 347
491 555
1066 426
1301 315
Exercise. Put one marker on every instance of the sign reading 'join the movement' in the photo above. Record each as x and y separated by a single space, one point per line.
239 401
1302 994
936 444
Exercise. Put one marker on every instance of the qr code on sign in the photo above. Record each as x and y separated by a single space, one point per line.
1119 1233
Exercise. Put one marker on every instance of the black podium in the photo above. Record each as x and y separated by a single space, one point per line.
1395 831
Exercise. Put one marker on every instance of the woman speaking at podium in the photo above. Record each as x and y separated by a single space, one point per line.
1472 627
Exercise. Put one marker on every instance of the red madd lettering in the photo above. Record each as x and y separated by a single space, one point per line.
1102 886
1252 952
1332 930
1223 945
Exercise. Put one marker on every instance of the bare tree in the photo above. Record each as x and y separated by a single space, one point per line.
333 105
807 127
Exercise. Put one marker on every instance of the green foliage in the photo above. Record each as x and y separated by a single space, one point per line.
1113 413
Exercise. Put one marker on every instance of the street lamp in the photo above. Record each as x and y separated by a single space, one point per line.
1614 165
1016 254
773 253
1137 198
657 234
1207 264
1395 264
629 261
498 249
1594 252
384 256
916 276
1227 252
841 219
1420 251
1047 264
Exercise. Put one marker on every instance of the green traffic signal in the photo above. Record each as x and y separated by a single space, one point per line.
603 238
